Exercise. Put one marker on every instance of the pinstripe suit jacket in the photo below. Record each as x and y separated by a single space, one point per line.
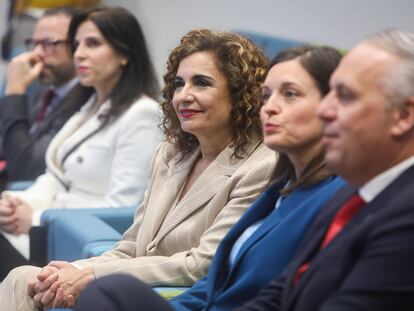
171 242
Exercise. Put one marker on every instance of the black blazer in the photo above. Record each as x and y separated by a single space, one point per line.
24 152
367 266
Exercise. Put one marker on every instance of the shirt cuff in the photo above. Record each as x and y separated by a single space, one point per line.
36 218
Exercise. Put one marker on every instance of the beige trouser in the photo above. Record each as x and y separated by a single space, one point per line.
13 290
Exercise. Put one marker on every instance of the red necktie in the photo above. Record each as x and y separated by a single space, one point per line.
348 210
46 100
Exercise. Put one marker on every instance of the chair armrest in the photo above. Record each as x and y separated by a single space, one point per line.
118 218
94 249
67 236
169 292
19 185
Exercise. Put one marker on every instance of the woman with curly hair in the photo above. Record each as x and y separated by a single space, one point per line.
211 167
262 242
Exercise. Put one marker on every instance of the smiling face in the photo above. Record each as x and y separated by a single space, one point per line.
98 64
201 98
290 98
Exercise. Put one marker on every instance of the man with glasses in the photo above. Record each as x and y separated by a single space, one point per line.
28 123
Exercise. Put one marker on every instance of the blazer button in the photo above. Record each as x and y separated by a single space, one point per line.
151 247
80 160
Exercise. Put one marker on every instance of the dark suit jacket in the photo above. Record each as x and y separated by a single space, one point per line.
264 254
368 266
25 152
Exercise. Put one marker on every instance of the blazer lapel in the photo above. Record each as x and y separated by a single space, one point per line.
260 209
379 202
268 224
203 189
53 163
173 182
69 104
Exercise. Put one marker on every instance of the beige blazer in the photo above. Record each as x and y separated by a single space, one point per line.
173 243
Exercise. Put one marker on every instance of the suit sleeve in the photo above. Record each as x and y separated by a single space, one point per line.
193 299
14 126
23 151
268 299
382 277
138 138
185 267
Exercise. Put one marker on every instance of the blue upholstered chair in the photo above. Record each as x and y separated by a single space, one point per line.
82 233
19 185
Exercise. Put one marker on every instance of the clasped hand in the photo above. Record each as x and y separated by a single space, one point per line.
58 284
15 215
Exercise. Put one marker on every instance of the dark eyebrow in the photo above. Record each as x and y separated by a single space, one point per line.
289 84
208 78
89 38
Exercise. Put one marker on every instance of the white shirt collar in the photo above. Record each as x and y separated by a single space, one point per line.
62 90
373 187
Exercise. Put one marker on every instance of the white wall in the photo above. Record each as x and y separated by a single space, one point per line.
337 22
341 23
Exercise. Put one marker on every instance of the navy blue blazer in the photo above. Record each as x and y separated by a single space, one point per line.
264 255
368 266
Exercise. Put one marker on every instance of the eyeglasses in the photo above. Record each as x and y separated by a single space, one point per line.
48 45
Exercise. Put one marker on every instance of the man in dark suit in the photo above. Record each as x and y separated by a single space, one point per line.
29 123
361 256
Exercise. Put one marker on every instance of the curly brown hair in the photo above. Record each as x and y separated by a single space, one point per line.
244 67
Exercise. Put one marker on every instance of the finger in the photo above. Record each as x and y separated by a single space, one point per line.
37 300
24 56
58 264
50 294
14 200
36 69
46 284
31 288
59 299
4 203
7 197
27 57
70 301
6 210
46 272
8 220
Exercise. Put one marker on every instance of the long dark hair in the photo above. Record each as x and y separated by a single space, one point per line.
319 62
123 32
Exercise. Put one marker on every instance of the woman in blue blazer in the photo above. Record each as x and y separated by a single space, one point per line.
263 241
